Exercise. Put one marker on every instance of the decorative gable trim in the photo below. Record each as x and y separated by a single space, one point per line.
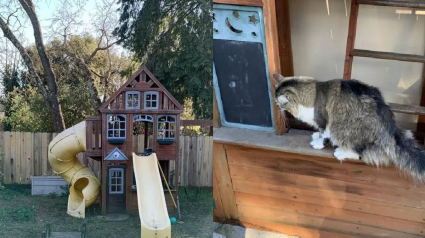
142 72
116 154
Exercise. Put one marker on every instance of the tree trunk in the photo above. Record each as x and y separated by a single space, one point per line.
50 76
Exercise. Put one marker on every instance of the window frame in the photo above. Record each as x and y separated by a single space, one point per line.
169 130
143 117
132 99
110 184
114 129
145 100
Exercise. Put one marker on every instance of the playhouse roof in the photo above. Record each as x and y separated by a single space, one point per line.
139 81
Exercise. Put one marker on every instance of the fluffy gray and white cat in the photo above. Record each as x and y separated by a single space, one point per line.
354 117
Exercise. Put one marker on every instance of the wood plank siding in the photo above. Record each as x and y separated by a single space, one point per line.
310 195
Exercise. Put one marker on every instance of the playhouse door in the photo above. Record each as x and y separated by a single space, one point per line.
116 190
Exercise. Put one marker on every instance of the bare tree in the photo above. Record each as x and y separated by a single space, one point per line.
103 22
50 93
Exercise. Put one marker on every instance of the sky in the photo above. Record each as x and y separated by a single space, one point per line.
46 10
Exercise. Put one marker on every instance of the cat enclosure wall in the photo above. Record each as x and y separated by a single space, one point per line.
268 179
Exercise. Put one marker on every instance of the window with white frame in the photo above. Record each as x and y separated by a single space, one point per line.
151 100
166 127
116 181
116 126
132 100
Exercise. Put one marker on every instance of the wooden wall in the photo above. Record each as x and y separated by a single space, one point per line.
311 196
25 155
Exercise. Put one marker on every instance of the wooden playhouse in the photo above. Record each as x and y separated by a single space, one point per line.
268 179
140 106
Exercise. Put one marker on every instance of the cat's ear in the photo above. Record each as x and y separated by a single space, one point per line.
282 99
278 78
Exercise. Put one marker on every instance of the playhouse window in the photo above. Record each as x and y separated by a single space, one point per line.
132 100
151 100
166 127
116 181
116 128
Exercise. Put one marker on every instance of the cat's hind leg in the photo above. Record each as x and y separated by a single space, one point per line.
344 153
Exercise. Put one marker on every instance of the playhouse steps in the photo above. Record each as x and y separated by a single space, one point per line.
72 234
65 235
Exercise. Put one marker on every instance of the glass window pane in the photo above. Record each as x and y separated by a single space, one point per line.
153 96
112 173
118 180
136 104
122 133
148 104
113 181
113 188
148 97
136 97
110 133
122 125
154 104
129 96
116 125
172 134
129 103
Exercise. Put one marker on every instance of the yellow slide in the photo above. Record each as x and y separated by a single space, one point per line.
154 220
62 157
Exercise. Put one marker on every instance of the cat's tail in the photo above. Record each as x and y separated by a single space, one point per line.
404 153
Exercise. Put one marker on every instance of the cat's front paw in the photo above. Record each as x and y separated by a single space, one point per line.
342 154
315 136
317 144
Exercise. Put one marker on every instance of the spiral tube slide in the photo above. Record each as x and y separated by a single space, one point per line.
154 220
84 186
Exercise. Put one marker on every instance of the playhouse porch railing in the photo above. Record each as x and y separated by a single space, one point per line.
94 137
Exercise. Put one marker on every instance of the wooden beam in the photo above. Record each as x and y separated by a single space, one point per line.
284 35
256 3
141 111
388 55
352 28
216 114
421 119
394 3
224 183
407 109
272 45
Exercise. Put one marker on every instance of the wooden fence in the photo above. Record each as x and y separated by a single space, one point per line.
24 154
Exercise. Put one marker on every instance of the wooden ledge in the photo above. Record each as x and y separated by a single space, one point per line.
291 142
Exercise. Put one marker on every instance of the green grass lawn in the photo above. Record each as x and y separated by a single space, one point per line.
23 215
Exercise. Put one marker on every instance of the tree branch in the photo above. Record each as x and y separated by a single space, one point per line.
92 89
27 59
99 48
